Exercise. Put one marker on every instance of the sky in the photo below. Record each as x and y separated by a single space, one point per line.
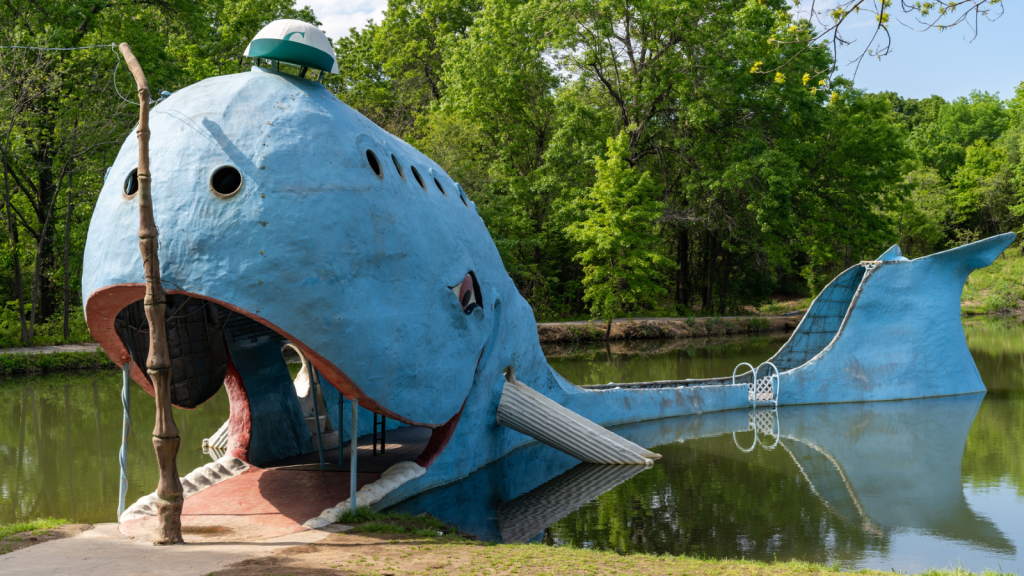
921 63
945 63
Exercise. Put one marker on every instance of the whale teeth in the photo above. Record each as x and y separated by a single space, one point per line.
370 494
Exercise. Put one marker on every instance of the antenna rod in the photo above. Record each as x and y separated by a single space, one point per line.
158 365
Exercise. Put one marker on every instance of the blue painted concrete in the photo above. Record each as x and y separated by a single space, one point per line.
902 336
358 267
889 465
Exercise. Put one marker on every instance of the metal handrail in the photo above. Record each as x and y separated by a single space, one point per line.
776 381
752 369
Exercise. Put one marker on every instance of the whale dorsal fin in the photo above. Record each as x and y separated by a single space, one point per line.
893 254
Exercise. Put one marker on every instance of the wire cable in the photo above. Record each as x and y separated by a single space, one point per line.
60 49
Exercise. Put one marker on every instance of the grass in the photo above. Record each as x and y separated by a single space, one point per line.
997 289
777 307
366 521
445 548
8 531
419 556
33 526
16 364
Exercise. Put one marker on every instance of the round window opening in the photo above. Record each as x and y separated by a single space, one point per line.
374 163
439 187
226 180
131 184
398 167
419 179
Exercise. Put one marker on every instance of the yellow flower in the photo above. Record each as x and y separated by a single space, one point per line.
807 78
821 82
780 78
793 28
833 97
756 67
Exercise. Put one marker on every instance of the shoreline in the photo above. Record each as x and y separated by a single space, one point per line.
663 328
89 356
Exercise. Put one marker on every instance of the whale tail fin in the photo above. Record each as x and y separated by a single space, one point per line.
976 254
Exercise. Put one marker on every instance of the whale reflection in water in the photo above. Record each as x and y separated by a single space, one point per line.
874 468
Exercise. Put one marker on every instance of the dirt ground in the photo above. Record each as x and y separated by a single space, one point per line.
394 555
31 538
663 328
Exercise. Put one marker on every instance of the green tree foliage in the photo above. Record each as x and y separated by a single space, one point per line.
64 114
620 251
963 178
770 173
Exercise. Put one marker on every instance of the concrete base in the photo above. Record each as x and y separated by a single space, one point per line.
255 505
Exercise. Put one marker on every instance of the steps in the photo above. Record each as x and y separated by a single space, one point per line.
330 436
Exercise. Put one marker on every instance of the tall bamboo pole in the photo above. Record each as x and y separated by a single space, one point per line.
158 365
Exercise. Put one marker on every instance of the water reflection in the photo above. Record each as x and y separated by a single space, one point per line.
59 439
906 485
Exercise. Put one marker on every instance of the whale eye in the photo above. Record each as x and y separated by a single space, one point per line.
131 184
374 163
468 293
226 181
419 179
439 187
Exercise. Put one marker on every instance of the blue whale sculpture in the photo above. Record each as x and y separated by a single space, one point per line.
286 217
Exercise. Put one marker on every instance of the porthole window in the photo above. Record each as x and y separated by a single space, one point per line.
374 163
419 179
226 181
439 187
131 184
398 166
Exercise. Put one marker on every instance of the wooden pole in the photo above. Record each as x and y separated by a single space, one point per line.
158 365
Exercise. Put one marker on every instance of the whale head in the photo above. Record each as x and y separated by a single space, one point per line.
280 205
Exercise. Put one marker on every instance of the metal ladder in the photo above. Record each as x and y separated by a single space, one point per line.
765 389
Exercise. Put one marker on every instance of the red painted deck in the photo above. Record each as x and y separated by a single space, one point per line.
256 504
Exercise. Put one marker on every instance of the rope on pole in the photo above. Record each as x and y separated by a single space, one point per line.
126 428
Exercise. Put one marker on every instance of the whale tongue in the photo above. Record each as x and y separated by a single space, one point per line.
525 410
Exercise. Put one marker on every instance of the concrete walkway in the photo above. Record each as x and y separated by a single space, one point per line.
93 347
103 551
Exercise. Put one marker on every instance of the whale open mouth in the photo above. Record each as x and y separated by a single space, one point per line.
211 341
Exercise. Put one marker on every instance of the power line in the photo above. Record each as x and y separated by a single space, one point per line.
60 49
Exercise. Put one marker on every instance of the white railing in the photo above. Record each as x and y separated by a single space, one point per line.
764 389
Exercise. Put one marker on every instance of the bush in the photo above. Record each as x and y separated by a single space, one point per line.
47 333
14 364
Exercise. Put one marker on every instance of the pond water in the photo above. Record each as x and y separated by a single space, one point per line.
894 485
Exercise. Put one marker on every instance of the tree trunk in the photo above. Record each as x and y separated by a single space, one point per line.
608 330
12 232
67 259
683 274
41 297
158 365
723 286
707 305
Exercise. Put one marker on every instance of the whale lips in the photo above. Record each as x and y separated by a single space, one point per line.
468 293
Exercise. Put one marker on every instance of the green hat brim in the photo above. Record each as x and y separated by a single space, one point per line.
291 52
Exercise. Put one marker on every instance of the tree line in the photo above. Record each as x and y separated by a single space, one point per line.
646 157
